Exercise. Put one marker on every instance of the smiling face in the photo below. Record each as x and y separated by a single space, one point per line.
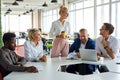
63 12
83 36
103 31
36 36
11 44
9 40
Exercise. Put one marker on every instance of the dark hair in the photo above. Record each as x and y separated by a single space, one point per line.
109 27
8 37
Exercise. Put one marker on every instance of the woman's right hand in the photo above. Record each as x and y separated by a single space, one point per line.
43 58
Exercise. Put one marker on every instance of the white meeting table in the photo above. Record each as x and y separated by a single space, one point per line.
49 71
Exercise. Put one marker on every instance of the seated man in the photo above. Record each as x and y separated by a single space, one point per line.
84 42
107 46
9 60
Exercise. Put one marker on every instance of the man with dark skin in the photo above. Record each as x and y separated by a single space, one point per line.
9 60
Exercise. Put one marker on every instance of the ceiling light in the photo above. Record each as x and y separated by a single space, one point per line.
9 10
24 13
31 10
19 0
15 3
44 5
27 11
54 1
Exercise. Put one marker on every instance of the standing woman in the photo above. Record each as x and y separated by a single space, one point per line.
61 24
34 47
60 44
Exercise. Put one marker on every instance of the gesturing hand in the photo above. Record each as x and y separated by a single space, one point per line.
104 42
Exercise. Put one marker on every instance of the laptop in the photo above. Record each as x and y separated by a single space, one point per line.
88 54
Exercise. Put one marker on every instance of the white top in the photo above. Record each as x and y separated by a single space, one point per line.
32 52
57 28
113 44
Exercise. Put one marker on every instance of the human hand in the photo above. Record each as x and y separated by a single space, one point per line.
43 58
98 56
104 42
31 69
78 55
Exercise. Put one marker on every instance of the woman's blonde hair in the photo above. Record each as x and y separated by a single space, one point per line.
31 32
63 8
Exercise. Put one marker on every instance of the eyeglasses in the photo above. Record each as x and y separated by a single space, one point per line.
102 29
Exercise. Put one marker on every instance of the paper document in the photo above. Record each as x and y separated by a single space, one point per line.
72 55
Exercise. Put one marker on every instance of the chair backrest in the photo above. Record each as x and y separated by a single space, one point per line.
49 43
20 50
76 35
0 76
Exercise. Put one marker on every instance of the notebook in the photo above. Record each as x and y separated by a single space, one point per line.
88 54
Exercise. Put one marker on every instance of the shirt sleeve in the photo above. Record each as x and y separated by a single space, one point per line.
69 29
8 64
74 47
115 47
40 50
20 59
97 46
51 33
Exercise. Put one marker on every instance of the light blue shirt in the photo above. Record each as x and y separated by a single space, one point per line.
32 52
57 28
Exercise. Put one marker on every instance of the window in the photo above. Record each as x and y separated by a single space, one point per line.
92 15
15 23
102 16
116 18
47 19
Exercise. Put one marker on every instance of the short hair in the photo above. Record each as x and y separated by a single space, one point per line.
62 9
7 37
109 27
83 30
31 32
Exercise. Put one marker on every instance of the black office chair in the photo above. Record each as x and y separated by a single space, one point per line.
76 35
49 45
44 43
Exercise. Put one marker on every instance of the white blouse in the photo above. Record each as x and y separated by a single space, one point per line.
32 52
57 28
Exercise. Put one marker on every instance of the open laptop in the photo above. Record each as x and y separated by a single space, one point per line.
88 54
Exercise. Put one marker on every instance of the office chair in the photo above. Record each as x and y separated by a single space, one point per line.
0 76
76 35
49 45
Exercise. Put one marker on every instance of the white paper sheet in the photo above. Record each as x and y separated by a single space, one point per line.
72 55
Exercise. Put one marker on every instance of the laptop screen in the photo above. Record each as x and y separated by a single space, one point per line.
88 54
